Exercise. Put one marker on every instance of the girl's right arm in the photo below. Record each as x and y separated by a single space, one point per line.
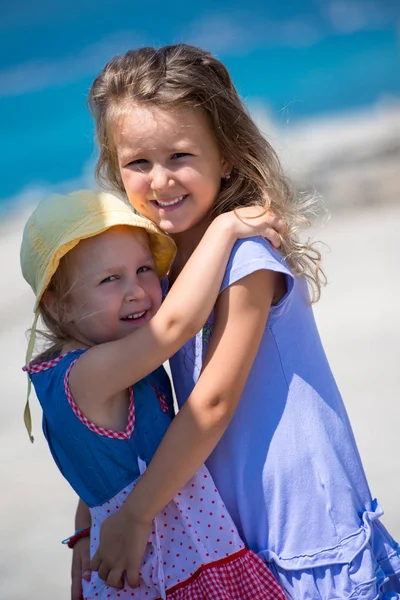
80 566
109 368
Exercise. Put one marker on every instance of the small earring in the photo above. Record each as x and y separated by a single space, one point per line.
227 176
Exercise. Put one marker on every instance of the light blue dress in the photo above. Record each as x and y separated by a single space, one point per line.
287 467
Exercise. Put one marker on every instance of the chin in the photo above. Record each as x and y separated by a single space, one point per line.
171 228
180 225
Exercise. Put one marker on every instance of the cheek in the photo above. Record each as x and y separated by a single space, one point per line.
135 186
207 182
156 295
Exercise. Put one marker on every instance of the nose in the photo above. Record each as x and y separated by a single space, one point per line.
160 179
134 291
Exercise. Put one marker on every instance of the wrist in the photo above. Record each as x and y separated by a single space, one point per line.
82 524
78 535
227 226
136 511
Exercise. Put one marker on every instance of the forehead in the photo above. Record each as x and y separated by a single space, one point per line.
122 243
153 127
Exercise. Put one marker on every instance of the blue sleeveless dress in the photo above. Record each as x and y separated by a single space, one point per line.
194 551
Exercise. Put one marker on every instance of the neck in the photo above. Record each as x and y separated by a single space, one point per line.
75 344
187 241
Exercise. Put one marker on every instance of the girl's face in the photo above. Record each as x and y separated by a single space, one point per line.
115 288
170 165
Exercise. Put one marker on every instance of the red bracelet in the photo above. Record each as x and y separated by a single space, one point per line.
80 533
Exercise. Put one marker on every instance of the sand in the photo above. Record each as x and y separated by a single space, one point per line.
359 323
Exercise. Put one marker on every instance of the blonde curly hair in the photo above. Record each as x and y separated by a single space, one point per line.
183 76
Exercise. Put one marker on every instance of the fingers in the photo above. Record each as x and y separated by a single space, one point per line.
280 225
112 576
103 571
86 571
275 229
275 223
132 576
273 237
266 220
79 568
76 581
76 589
95 562
115 578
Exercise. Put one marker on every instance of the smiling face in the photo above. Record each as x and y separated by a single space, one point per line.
115 287
170 165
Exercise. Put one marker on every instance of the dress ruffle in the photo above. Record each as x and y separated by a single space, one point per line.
241 577
369 572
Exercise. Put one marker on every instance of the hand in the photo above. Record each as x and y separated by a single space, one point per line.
121 548
251 221
80 568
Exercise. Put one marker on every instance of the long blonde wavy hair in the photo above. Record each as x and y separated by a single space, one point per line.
182 76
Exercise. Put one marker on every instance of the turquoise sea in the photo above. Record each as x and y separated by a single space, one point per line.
301 59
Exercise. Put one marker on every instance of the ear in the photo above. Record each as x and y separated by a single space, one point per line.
226 168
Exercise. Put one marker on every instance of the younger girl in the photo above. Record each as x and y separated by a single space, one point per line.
265 412
95 266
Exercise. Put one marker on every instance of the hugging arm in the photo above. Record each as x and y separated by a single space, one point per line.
114 366
241 315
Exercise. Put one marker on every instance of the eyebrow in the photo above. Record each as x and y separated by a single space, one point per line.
143 259
128 153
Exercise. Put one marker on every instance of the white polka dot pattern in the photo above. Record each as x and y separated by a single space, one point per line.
194 552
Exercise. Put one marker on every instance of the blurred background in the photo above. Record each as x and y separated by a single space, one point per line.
322 80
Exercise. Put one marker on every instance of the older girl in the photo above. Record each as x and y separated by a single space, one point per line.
258 401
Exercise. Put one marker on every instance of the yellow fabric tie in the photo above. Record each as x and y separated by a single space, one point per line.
29 352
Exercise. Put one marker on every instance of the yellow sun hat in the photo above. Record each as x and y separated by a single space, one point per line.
59 223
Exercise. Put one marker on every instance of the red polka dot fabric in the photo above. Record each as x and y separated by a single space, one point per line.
194 552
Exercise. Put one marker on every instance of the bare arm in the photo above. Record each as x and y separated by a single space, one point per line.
241 314
80 566
112 367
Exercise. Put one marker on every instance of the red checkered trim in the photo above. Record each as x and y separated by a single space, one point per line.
116 435
43 366
162 398
241 576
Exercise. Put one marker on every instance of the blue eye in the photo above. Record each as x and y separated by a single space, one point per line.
144 269
139 162
179 155
109 279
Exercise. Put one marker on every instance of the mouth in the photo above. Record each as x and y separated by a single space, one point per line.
137 317
170 204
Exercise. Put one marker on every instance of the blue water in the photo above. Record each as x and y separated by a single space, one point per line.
297 58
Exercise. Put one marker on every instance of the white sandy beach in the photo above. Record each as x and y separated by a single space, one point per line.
359 322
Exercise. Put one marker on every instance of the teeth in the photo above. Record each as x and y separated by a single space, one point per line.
170 203
136 316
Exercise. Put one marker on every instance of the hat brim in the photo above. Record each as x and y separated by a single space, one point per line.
162 247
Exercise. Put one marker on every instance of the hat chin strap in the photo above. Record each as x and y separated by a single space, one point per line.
29 352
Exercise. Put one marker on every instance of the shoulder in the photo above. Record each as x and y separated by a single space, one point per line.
49 375
251 255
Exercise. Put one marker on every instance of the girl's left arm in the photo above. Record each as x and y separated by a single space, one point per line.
241 314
